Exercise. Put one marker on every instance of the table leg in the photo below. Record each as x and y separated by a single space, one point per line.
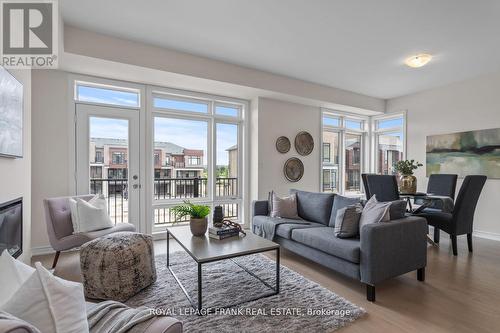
278 270
199 288
168 248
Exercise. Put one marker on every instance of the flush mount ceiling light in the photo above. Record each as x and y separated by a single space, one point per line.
418 60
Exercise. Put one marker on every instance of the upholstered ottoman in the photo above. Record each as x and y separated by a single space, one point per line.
117 266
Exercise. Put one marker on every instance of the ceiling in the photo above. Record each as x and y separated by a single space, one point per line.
356 45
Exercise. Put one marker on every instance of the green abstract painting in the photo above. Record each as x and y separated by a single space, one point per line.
465 153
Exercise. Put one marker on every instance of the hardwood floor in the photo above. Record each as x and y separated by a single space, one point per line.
460 294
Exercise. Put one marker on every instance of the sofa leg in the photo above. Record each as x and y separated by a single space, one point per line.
454 244
56 258
436 235
421 274
370 293
469 242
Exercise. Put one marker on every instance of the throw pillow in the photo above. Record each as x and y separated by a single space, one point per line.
90 215
284 207
49 303
374 212
13 274
397 210
347 221
340 202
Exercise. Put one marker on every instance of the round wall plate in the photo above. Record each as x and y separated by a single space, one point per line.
304 143
293 169
283 144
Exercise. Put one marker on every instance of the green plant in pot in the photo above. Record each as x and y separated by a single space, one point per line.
407 181
198 222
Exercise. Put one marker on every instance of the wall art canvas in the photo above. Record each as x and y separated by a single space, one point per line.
11 115
465 153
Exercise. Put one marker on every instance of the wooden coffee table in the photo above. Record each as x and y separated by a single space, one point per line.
205 250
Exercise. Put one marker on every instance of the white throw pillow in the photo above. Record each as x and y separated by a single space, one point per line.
13 274
49 303
374 212
89 215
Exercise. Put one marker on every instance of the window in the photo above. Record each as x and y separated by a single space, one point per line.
157 159
118 157
107 95
227 111
180 104
326 152
389 141
202 137
99 157
342 153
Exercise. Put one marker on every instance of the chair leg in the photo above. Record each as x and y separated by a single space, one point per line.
436 235
421 274
454 244
370 293
56 258
469 242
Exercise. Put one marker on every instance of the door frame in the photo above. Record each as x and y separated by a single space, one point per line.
71 106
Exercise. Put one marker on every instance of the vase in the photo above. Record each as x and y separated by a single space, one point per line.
408 184
198 226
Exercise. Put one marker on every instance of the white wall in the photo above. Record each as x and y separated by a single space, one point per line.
470 105
50 146
15 174
276 118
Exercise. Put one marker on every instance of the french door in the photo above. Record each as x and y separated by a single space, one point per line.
107 158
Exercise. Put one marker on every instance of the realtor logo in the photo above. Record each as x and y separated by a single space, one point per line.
29 34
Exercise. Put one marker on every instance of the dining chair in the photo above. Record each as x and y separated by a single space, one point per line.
460 221
439 184
60 227
385 187
365 184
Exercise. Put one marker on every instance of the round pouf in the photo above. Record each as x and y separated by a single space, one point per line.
117 266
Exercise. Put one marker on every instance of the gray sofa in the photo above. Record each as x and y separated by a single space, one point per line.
383 250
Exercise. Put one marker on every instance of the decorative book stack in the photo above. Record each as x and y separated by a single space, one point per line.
223 232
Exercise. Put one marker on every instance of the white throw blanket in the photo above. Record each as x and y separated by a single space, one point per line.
115 317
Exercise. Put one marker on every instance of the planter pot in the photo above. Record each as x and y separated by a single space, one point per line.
408 184
198 226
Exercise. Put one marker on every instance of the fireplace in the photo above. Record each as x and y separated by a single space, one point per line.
11 227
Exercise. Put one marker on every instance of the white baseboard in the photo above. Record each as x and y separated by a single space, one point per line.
487 235
41 250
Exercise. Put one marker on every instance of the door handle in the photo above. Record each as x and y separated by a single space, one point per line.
136 186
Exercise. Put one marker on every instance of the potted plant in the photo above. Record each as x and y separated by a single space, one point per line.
407 181
198 216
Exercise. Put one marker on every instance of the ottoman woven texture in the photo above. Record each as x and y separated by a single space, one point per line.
117 266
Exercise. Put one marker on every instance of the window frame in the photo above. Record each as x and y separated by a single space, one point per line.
376 132
364 132
212 120
103 84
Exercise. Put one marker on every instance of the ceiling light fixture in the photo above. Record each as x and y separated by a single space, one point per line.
418 60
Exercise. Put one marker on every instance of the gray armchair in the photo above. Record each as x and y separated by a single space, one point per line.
60 227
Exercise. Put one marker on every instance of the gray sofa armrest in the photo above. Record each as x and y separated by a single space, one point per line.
260 207
392 248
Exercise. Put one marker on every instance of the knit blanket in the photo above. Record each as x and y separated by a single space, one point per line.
115 317
266 228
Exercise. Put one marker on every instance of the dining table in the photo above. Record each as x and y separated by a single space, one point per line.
428 200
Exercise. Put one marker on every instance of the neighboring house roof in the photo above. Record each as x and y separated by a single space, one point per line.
232 148
169 147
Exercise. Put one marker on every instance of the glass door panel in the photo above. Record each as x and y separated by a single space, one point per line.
331 161
353 163
227 171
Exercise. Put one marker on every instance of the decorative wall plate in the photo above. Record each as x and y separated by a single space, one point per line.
283 144
293 169
304 143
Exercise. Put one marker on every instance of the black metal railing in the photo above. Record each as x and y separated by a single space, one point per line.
166 216
116 193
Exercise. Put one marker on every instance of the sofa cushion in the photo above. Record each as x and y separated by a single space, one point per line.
313 206
324 239
285 230
338 203
285 226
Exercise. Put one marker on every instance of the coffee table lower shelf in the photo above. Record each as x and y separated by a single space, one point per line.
199 305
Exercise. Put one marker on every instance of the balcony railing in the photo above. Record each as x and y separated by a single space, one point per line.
116 192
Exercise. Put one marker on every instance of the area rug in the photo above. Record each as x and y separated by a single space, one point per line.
301 305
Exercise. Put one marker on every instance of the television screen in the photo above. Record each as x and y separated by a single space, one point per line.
11 227
11 115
